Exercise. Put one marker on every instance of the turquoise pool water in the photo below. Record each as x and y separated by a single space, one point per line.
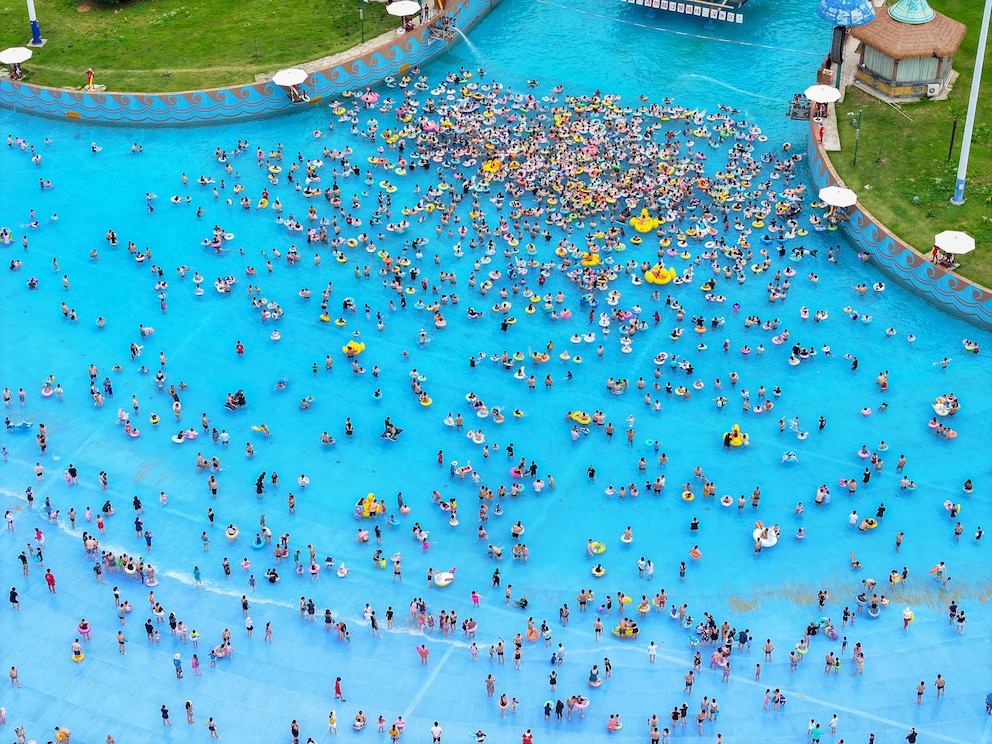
619 49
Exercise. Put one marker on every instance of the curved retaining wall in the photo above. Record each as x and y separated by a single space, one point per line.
218 105
951 291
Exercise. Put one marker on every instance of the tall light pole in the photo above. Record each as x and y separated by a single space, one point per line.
969 122
36 40
361 16
856 123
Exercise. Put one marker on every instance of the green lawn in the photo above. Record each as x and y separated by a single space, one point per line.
904 160
166 45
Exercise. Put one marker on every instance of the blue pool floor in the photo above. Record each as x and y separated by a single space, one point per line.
264 686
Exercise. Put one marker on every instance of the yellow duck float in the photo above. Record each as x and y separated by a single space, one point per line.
658 274
644 223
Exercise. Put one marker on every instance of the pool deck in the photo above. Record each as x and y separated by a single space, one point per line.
831 136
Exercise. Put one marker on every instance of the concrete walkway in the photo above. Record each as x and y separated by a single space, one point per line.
831 136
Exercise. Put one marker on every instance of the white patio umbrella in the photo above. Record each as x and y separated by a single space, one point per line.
15 55
288 78
822 93
954 241
838 196
403 8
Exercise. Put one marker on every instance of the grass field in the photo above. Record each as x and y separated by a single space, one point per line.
168 45
904 176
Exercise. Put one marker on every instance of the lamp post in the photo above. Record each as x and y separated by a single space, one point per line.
361 16
856 123
954 131
969 122
36 40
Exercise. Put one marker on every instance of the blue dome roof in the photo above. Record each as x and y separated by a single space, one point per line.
846 12
912 12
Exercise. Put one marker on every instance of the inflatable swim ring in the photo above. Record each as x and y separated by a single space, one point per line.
629 633
444 578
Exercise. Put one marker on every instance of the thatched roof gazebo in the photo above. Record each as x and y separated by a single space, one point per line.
907 52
